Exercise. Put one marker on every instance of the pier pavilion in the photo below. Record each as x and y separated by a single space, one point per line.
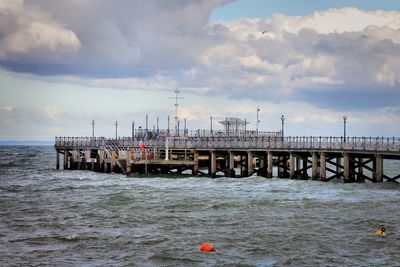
234 154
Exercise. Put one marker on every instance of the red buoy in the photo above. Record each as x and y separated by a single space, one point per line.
207 247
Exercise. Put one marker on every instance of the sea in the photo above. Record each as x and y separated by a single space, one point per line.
52 217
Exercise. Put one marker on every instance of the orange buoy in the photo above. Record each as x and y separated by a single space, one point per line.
207 247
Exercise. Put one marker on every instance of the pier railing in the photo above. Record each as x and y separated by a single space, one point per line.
391 144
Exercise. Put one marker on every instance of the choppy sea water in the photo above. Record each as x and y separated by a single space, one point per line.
54 217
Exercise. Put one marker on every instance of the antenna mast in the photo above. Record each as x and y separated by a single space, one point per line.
177 92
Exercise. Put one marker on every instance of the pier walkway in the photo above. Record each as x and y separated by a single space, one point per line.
354 159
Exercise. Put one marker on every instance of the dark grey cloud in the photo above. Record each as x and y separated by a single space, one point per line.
112 37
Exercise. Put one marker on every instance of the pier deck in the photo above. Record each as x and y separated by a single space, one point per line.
355 159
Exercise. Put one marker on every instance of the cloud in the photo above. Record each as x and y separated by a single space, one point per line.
29 33
158 45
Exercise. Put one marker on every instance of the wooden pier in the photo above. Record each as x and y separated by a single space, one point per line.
356 159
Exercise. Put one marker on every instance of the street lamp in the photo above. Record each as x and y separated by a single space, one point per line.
93 128
147 122
258 121
283 126
116 129
211 118
133 130
168 126
344 127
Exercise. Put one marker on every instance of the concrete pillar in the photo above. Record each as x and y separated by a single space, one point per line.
322 175
128 163
58 160
378 170
213 171
231 164
314 173
292 166
346 166
270 164
250 167
195 171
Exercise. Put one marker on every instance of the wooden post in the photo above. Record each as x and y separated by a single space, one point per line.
270 164
250 167
346 167
298 168
195 171
304 174
322 175
314 174
292 166
231 164
57 159
378 170
65 159
360 176
128 163
338 168
213 171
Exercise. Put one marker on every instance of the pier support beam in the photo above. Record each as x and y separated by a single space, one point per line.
195 171
314 173
322 175
291 165
213 170
270 164
250 167
231 164
378 169
113 161
128 163
58 160
66 159
298 168
346 167
360 175
338 168
304 174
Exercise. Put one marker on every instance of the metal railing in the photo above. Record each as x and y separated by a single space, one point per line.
391 144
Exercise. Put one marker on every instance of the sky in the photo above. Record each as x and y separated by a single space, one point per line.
66 63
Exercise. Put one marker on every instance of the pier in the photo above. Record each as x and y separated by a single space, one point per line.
233 154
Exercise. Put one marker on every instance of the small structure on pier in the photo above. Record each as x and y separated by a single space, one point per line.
234 124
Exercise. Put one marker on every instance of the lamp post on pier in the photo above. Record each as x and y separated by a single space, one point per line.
168 125
344 127
211 131
184 129
283 126
116 129
258 121
93 128
133 130
147 123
